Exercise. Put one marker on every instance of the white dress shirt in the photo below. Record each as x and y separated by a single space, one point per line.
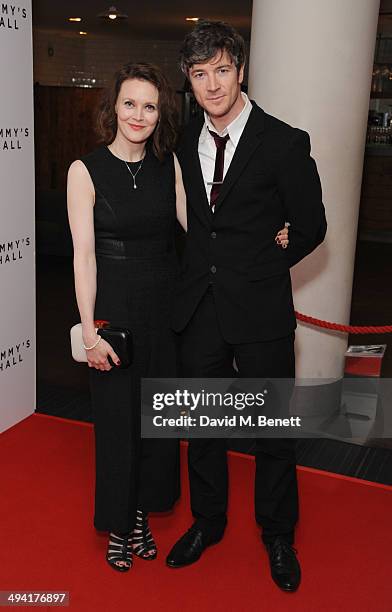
207 147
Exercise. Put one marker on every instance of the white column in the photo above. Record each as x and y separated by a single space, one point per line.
310 65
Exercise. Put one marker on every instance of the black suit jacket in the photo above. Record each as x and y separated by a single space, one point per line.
271 179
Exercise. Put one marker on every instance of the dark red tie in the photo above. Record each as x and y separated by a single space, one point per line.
220 142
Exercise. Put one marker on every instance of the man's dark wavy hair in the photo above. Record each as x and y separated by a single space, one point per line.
206 40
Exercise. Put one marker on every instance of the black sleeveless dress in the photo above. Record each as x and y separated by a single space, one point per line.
136 271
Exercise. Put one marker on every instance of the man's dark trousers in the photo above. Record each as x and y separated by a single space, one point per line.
205 353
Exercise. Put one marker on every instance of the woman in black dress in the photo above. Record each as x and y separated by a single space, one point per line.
123 201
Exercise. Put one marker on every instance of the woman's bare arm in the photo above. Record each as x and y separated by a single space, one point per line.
180 196
80 198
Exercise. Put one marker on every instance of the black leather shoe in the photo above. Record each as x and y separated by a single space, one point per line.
191 545
285 568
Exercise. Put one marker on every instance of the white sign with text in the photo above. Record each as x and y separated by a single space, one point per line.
17 265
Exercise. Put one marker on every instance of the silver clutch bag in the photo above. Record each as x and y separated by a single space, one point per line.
78 352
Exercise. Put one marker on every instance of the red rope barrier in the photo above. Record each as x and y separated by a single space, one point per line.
350 329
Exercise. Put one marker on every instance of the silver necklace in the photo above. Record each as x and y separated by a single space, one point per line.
134 175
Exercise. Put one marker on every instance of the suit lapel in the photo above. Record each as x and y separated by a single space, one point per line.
248 143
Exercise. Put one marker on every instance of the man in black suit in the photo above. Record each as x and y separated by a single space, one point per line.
245 174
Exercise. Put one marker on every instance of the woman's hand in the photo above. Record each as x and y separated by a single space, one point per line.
98 357
282 237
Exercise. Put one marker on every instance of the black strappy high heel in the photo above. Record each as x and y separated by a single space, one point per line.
142 540
120 549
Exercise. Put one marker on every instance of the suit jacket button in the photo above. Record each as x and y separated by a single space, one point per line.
213 269
213 234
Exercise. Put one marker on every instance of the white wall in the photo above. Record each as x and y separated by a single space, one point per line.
17 276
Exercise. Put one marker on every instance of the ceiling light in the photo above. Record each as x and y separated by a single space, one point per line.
191 18
83 33
113 14
74 19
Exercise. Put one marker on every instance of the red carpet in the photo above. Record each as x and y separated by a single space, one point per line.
48 543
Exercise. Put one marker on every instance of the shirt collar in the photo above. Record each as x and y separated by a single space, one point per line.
235 128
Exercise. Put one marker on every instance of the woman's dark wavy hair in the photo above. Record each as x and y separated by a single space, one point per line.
208 38
164 136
